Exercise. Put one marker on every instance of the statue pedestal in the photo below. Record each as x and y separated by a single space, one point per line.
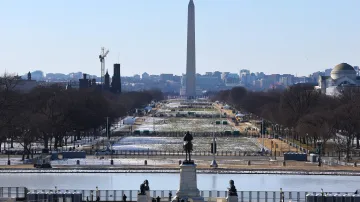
142 198
149 199
188 184
232 199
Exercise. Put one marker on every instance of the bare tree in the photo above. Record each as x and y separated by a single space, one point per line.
237 94
319 126
351 95
8 104
348 122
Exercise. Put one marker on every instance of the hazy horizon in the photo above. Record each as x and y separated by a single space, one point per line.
280 36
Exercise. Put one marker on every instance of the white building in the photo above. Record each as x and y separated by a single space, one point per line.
341 76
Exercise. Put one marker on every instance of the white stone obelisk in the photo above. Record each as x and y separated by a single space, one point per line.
190 57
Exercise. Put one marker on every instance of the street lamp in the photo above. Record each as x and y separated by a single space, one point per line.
213 147
262 135
107 127
319 143
8 147
73 139
111 153
307 141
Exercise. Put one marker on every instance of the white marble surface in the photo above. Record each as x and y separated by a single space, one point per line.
188 184
232 199
188 181
149 199
142 198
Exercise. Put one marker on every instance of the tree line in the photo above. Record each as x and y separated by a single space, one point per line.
53 113
304 114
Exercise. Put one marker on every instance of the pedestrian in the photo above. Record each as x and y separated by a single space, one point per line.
124 198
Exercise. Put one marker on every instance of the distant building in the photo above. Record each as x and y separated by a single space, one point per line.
224 75
24 85
166 77
116 79
177 78
286 80
206 82
145 76
343 75
84 82
107 81
37 75
232 78
137 77
155 77
217 74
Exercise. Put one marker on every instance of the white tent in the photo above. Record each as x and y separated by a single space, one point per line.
129 120
240 115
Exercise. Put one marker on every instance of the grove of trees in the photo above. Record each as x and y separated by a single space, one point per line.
304 114
52 113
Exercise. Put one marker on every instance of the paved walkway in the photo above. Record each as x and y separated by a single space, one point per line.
274 165
282 146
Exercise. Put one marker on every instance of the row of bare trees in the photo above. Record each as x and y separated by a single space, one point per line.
304 114
53 113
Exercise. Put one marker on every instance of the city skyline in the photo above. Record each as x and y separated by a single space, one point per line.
271 37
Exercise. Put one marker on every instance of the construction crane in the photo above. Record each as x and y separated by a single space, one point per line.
102 61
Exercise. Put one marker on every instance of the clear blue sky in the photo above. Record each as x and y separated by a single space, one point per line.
273 36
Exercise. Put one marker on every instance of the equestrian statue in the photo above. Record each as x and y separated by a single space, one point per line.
188 146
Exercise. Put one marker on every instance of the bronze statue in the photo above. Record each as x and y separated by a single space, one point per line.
188 146
142 189
232 189
147 188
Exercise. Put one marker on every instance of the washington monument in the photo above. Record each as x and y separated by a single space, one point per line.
190 57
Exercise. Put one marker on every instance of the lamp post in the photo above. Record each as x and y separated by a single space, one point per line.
213 162
307 141
8 151
73 139
262 135
107 128
320 150
288 134
111 154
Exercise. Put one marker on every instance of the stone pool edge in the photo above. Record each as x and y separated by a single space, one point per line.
200 171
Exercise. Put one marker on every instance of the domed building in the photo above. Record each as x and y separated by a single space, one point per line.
342 75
